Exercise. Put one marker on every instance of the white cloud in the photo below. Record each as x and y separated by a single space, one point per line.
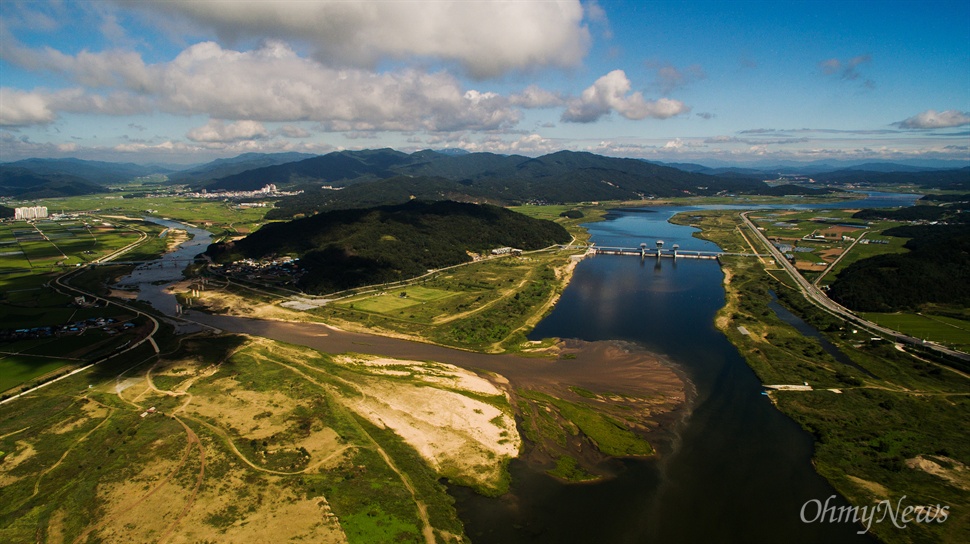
934 119
220 132
18 108
486 37
530 145
293 131
612 93
269 84
534 97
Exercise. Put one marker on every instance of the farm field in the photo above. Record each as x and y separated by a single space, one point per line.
814 238
390 301
44 245
219 218
487 305
941 329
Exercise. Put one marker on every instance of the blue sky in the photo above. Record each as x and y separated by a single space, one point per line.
186 81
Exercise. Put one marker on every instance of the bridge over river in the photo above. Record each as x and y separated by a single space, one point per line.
674 252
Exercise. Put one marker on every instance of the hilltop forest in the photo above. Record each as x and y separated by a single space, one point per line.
935 271
349 248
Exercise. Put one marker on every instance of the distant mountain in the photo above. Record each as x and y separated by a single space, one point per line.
565 176
338 168
958 179
24 183
889 167
453 151
830 165
94 172
349 248
221 168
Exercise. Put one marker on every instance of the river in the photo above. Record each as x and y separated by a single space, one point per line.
154 277
737 470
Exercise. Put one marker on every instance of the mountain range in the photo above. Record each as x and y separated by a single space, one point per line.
339 179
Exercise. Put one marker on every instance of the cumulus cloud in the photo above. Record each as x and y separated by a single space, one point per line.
272 83
534 97
18 108
293 131
934 119
612 93
486 37
220 132
530 144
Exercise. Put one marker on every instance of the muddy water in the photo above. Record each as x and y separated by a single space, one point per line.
601 366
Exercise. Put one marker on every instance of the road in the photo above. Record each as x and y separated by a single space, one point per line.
61 282
814 294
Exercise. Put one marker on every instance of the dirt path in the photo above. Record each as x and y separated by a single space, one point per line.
66 453
427 529
193 440
185 457
505 294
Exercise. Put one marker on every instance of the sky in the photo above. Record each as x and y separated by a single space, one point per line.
712 82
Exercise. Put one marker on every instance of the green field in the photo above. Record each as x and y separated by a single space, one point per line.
397 299
943 330
67 243
19 369
790 227
218 217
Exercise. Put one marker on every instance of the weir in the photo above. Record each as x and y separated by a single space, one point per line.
643 252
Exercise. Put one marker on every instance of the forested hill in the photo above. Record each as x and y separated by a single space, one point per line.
936 270
389 177
349 248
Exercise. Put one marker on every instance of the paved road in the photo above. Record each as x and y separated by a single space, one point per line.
816 295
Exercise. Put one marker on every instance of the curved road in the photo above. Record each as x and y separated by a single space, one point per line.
814 294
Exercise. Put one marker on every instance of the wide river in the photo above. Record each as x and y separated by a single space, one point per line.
737 469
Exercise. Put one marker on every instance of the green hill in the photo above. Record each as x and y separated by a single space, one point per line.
26 184
565 176
348 248
936 270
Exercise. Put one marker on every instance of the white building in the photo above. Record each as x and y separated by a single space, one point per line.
30 212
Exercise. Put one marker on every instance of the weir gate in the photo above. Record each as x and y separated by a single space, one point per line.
658 251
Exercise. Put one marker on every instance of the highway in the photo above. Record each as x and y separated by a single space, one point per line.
820 299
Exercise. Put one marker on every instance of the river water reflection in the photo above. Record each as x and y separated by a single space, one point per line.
738 471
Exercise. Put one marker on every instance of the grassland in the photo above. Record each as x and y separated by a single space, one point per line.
945 330
252 441
897 429
28 300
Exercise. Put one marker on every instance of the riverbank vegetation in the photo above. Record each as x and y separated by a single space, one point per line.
246 440
889 425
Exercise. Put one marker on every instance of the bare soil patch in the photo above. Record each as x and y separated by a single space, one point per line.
221 302
954 472
876 491
461 437
25 450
